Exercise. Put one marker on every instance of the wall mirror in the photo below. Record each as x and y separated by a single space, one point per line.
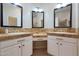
11 15
63 17
37 19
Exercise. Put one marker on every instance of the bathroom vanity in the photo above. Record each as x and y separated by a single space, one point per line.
16 44
63 44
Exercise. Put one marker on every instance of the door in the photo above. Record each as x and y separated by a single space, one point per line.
53 47
27 47
14 50
68 49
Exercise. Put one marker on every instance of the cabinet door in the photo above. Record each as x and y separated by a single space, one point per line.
78 47
27 47
68 49
52 47
14 50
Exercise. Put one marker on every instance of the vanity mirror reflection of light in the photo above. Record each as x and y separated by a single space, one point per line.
11 15
63 17
37 19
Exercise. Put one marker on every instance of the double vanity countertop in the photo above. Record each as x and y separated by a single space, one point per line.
64 34
9 36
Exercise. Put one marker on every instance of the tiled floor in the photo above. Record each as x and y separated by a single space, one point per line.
40 52
40 48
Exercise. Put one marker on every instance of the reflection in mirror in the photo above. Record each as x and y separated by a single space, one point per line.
37 19
12 15
63 16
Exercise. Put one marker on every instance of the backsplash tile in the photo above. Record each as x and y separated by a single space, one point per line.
41 30
38 30
2 30
35 30
65 30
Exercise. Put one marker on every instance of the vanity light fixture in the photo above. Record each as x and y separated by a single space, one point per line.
17 4
59 5
37 9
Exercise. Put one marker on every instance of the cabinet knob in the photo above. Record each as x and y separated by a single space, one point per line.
60 43
22 45
57 43
19 46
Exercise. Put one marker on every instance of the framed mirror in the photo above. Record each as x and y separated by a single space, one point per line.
63 17
37 19
11 15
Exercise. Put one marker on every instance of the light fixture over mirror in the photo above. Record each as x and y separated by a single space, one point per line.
38 9
59 5
17 4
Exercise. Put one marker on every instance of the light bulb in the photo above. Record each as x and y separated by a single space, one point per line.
61 5
58 5
17 4
37 10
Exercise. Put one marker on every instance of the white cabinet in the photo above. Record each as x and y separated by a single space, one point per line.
27 47
11 51
52 47
68 49
78 47
62 46
16 47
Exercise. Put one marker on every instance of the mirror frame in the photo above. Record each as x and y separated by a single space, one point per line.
32 20
70 25
2 25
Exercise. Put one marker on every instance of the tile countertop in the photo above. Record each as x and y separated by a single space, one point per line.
64 34
8 36
40 35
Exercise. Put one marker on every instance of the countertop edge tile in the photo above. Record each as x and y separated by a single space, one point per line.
4 37
75 35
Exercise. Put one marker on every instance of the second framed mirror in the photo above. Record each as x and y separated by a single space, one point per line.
63 17
37 19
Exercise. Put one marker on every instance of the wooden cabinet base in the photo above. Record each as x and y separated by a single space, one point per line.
40 48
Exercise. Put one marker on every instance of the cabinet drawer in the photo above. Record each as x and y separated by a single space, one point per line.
71 40
7 43
39 39
11 51
27 38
